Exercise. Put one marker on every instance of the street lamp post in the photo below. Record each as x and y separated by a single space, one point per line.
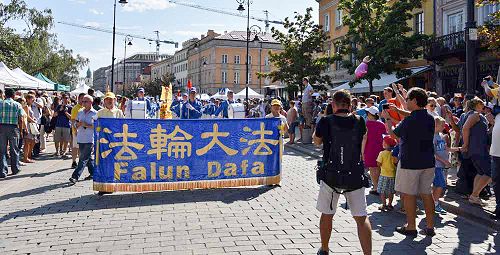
128 41
122 2
241 9
470 48
256 40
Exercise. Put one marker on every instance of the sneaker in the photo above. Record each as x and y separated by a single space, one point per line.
74 165
428 232
404 231
439 209
322 252
72 180
476 201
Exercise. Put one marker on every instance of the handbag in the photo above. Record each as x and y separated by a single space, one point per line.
33 129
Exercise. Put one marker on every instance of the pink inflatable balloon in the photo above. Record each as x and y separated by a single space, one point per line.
361 70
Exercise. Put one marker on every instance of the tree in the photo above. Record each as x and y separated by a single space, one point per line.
302 54
490 31
35 49
152 87
379 29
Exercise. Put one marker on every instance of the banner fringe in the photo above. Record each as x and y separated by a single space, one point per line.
187 185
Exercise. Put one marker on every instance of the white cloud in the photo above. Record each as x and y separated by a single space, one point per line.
92 24
145 5
96 12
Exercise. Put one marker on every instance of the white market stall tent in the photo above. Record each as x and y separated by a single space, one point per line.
98 93
41 84
251 94
81 88
11 79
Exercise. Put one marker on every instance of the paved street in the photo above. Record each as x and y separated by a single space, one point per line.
40 213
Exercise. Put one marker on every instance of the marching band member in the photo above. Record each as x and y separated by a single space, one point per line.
192 108
224 106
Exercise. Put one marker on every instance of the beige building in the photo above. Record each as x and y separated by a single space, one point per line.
161 68
218 61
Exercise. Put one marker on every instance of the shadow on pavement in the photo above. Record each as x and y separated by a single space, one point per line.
129 200
35 191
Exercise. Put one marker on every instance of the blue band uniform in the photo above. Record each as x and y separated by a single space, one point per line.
149 155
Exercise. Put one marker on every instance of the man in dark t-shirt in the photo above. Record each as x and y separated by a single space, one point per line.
62 132
328 197
415 172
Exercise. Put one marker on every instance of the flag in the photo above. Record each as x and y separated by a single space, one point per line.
189 85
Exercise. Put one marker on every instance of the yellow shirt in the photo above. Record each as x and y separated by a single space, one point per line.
387 167
114 113
495 92
74 114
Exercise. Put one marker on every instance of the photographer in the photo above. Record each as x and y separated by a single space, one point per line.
343 136
62 134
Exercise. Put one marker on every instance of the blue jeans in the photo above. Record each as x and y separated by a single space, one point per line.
85 159
9 134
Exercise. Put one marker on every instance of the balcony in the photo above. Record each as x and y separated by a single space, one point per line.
452 45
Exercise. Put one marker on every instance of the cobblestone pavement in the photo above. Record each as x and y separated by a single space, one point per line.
40 213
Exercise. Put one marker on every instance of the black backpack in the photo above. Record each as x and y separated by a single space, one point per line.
343 168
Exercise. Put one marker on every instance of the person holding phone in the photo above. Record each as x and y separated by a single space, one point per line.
62 134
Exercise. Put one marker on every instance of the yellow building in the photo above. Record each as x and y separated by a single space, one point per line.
330 17
218 61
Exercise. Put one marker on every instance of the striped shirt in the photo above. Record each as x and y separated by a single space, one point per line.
10 111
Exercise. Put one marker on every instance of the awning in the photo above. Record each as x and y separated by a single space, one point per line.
384 81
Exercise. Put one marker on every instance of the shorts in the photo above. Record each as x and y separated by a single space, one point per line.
414 181
386 185
482 164
439 178
291 128
75 141
328 201
62 134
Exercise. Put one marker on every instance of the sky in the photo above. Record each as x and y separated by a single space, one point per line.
141 17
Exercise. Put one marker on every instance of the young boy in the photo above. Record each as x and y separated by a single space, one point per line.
387 177
441 151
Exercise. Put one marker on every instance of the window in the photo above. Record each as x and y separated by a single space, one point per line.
249 59
224 77
338 63
224 59
455 22
338 18
486 11
326 22
237 59
266 61
249 77
418 26
236 78
329 68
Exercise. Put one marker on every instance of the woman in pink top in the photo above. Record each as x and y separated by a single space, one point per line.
376 130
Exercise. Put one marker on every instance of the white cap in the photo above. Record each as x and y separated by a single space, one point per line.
372 110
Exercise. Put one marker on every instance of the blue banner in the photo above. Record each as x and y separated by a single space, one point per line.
150 154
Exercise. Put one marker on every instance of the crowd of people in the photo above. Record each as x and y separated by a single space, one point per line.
404 145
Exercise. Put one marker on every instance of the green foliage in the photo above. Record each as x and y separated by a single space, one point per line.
302 55
35 49
490 31
152 87
379 29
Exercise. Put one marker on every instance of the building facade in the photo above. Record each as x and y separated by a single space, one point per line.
99 79
180 64
447 50
161 68
128 71
218 61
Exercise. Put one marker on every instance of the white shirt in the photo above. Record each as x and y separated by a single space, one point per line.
307 96
495 141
